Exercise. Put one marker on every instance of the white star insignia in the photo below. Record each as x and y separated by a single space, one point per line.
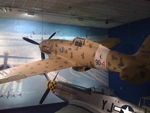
126 110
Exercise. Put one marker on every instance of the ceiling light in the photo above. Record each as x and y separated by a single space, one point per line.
30 13
4 9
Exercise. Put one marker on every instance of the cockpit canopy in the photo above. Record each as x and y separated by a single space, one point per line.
103 90
78 41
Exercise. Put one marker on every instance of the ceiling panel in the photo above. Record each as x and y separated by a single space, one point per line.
80 12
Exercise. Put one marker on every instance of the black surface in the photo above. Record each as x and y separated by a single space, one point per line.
48 108
74 109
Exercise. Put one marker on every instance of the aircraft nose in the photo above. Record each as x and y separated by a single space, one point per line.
45 47
51 85
40 46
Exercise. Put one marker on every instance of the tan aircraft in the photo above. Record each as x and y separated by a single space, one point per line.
83 54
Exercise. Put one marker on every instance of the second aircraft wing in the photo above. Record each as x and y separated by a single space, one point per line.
34 68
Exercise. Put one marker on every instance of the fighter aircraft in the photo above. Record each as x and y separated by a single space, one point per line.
82 54
89 100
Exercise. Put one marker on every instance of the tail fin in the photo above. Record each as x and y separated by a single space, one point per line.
144 51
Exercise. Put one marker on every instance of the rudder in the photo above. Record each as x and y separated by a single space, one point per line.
144 51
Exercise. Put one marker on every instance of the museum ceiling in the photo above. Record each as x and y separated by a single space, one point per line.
94 13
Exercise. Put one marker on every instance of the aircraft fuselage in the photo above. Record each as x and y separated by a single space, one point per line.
89 54
94 101
85 54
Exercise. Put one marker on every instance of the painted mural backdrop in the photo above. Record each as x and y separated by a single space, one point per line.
28 91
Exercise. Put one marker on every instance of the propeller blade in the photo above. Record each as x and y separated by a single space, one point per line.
55 76
52 35
42 56
48 89
46 76
44 96
30 41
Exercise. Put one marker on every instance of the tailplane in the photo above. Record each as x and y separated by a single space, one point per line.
144 51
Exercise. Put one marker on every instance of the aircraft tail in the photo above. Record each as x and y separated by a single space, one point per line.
144 51
6 56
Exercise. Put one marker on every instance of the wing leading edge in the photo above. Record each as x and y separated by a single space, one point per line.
34 68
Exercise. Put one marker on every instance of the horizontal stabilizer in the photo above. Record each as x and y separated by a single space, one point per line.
110 42
136 73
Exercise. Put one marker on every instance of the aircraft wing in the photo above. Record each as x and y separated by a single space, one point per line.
110 42
73 109
34 68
